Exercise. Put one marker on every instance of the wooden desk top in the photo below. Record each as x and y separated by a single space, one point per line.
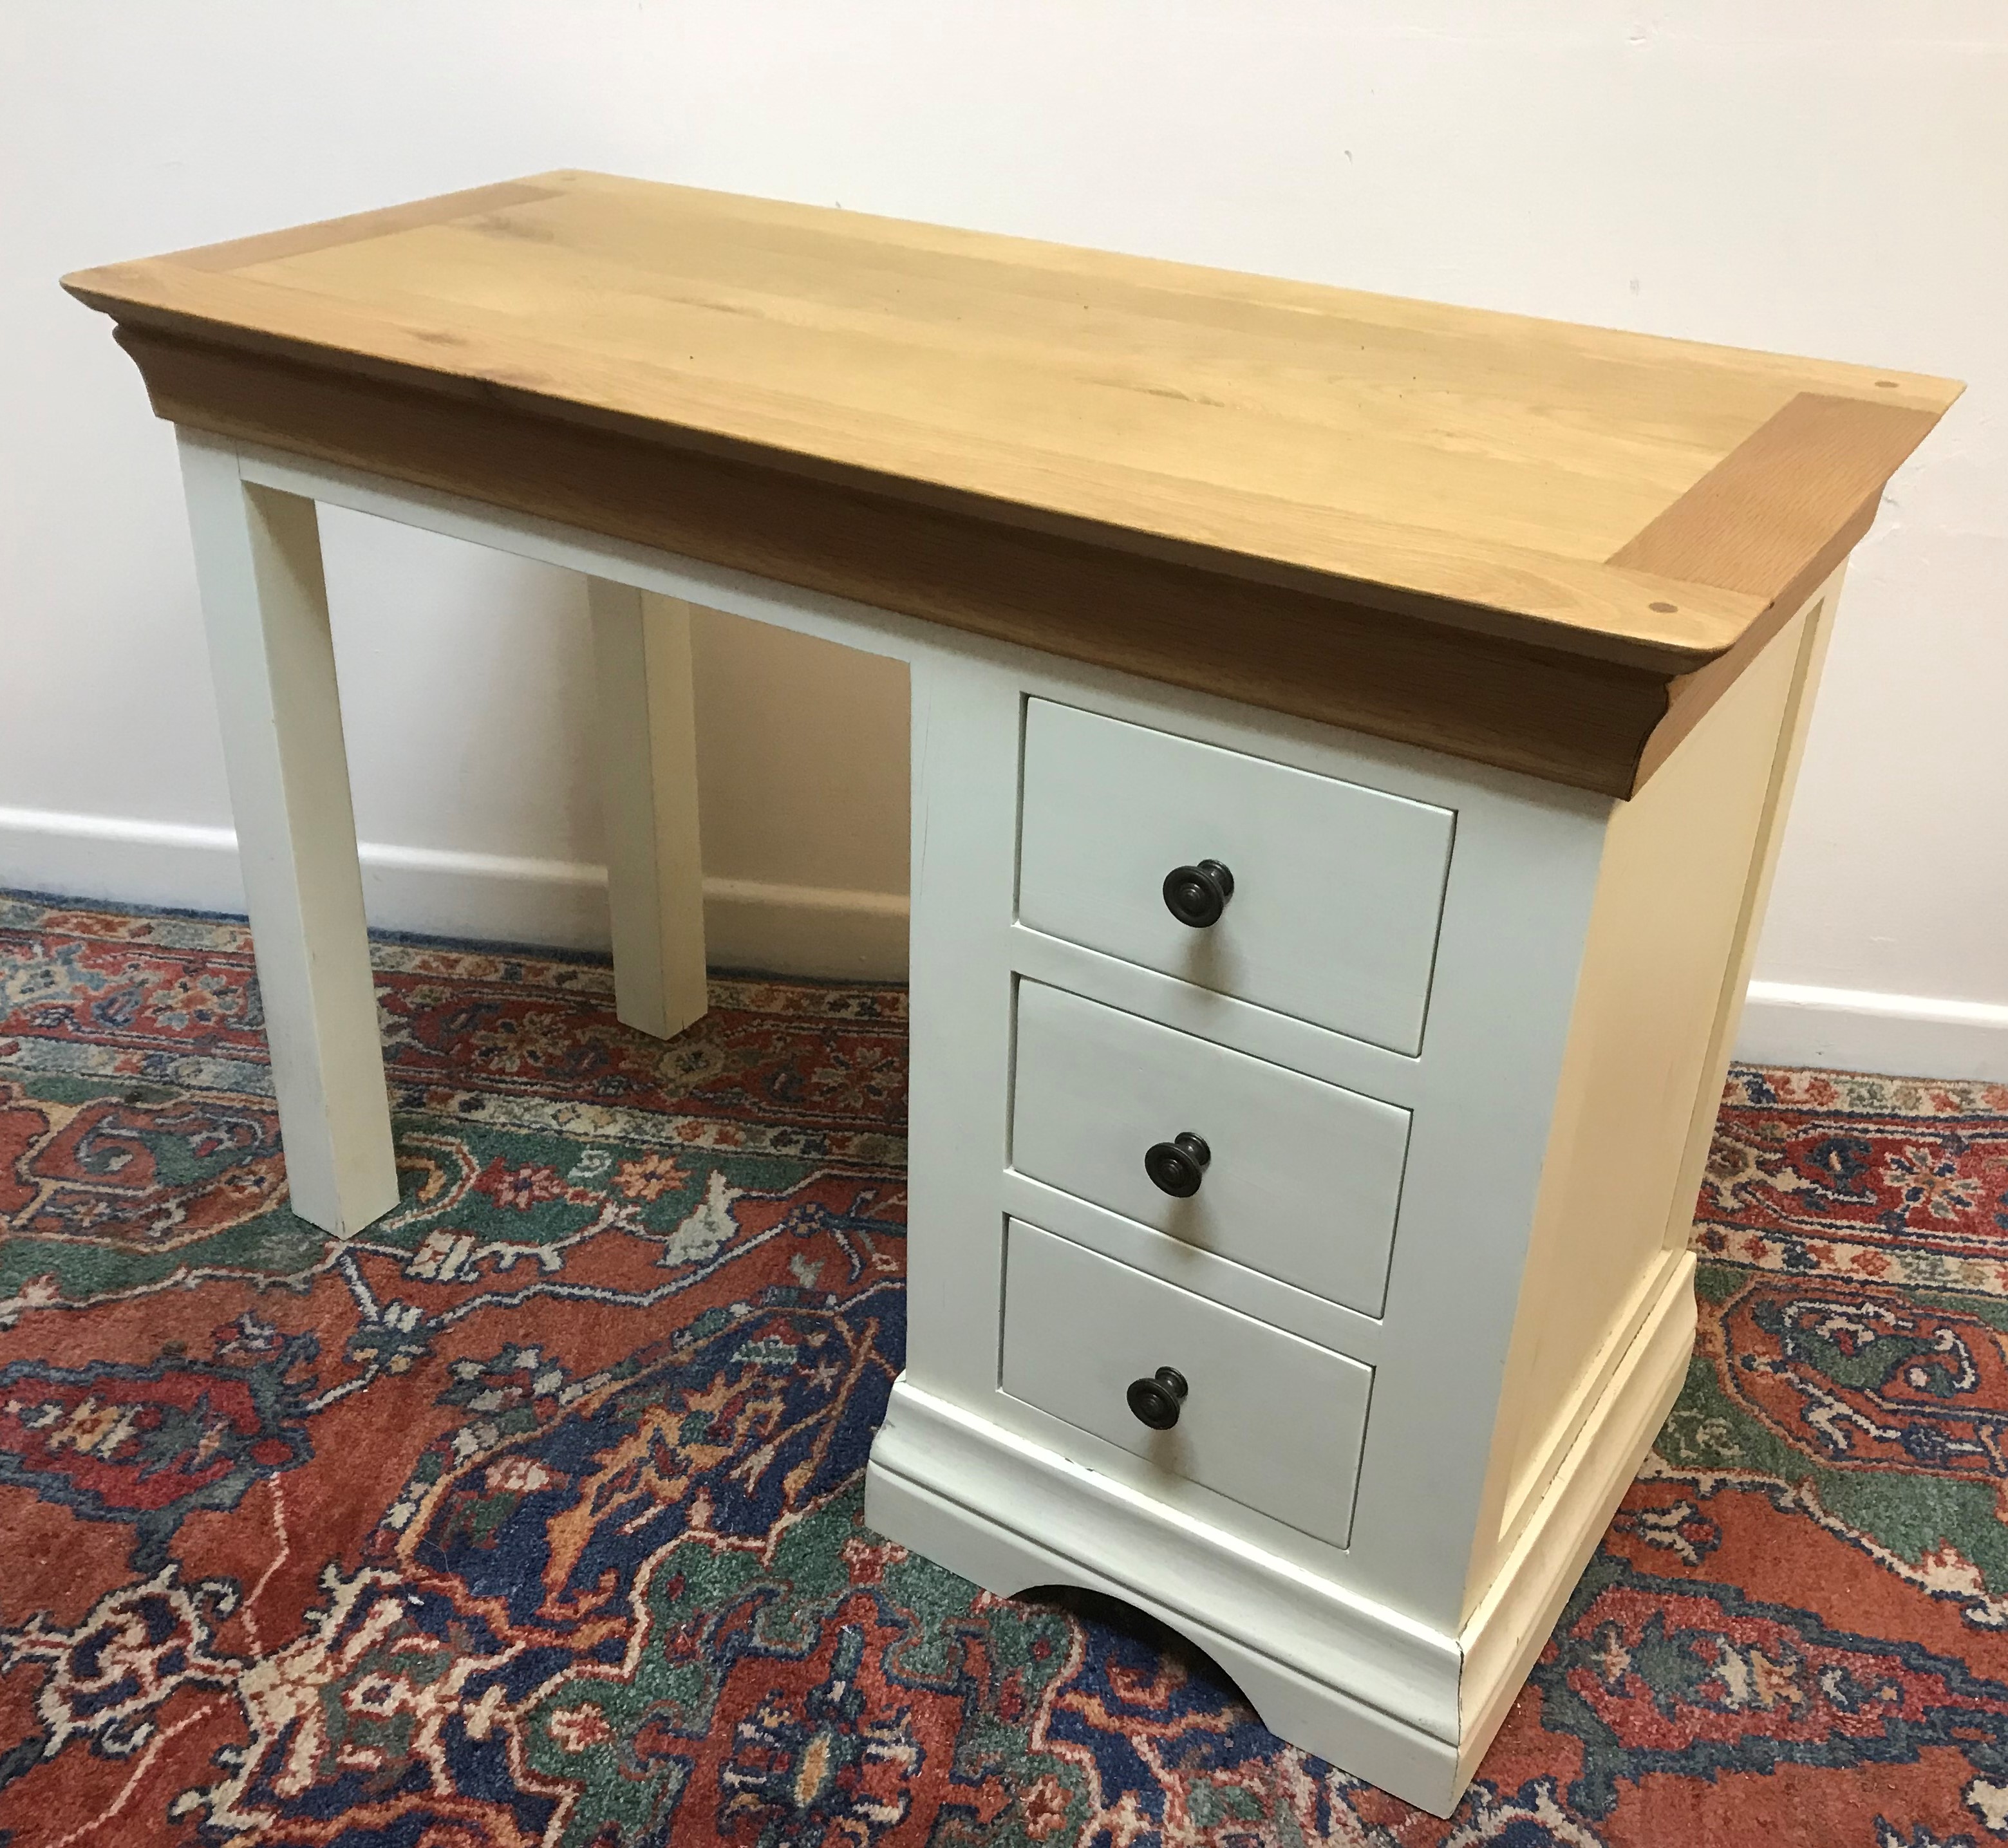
1512 538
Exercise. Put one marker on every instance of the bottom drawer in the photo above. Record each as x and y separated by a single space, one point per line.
1268 1418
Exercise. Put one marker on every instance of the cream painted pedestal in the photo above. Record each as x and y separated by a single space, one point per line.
1538 1313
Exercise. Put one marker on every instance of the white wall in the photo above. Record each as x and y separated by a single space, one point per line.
1827 176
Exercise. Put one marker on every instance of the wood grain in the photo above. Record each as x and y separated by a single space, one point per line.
1779 511
271 246
1573 719
1484 459
1775 518
1299 455
1103 493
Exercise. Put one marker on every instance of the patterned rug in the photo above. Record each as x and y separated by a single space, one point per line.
532 1516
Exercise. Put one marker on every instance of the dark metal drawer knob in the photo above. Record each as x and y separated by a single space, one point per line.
1156 1401
1177 1166
1197 895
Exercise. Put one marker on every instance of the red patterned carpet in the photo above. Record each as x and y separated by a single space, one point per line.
533 1515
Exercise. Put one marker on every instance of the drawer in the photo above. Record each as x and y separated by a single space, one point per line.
1337 889
1270 1420
1303 1178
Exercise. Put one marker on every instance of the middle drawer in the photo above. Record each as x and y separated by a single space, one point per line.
1300 1178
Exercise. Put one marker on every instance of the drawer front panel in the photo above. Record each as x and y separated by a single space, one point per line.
1302 1179
1268 1419
1337 889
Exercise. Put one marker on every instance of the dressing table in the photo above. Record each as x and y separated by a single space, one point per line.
1350 738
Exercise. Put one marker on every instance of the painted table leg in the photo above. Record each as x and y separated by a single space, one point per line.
648 743
257 556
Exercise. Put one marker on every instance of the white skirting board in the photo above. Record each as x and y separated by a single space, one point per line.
1853 1030
790 930
802 930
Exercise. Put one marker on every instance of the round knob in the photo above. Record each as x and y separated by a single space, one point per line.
1197 895
1177 1166
1156 1401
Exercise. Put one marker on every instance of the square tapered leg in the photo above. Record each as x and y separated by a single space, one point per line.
265 607
648 754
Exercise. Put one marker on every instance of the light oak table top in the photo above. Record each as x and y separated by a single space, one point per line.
1512 539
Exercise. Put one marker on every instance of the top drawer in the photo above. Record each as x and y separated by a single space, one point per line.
1337 889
